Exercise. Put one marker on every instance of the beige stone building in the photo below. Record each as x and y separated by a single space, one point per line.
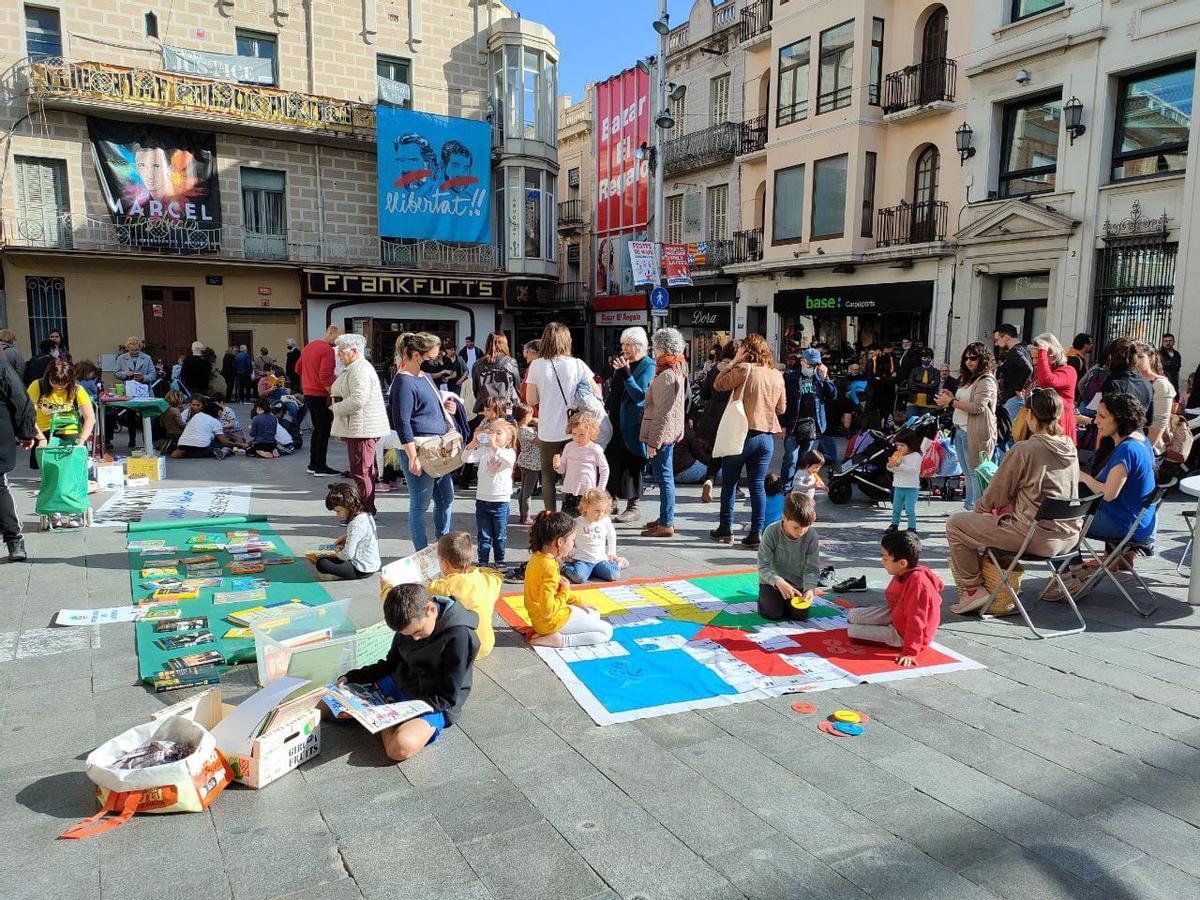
1081 194
576 214
285 93
853 182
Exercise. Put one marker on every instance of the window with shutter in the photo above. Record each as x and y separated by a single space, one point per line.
679 114
42 188
718 202
720 99
675 219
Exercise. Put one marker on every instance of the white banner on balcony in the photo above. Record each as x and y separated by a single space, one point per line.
395 92
222 66
644 263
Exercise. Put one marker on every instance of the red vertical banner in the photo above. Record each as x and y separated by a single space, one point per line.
629 133
602 170
615 172
642 214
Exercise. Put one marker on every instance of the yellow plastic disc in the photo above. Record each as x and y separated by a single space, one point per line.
802 601
846 715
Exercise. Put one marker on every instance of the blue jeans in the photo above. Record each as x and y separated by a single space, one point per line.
793 450
693 474
755 458
577 571
491 521
664 475
905 499
421 489
967 465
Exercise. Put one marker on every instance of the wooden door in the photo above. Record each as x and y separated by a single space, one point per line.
169 322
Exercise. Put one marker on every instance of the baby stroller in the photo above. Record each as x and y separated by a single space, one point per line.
64 468
867 468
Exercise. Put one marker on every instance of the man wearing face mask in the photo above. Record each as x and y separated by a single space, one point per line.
807 388
1015 371
923 385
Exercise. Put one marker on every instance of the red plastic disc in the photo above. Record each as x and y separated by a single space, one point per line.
828 728
806 708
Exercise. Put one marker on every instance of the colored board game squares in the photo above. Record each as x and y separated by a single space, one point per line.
860 659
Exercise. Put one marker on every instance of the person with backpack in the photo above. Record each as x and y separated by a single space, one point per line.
496 375
807 388
556 379
1014 370
632 371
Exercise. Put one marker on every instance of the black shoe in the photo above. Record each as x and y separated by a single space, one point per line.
345 474
847 585
751 541
825 579
16 550
325 472
891 528
515 574
721 535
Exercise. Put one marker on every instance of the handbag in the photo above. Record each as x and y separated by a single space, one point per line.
733 427
186 785
1020 426
440 454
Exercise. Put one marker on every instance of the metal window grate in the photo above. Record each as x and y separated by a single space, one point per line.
1135 288
47 298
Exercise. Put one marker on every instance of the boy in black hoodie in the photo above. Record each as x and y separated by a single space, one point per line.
431 659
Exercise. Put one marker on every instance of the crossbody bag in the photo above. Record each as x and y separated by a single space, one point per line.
440 454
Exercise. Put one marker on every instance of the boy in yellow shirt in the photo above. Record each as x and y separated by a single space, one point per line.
475 588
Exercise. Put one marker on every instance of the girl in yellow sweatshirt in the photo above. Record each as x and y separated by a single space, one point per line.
559 620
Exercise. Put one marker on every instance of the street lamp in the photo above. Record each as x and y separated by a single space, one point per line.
665 120
963 136
662 24
1074 110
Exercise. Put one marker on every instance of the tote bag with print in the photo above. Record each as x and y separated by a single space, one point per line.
733 427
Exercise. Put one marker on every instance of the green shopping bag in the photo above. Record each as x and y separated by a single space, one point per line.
64 468
984 471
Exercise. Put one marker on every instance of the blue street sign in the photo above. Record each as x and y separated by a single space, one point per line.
659 298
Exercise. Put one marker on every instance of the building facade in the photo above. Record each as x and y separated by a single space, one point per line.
576 193
849 178
1081 188
281 234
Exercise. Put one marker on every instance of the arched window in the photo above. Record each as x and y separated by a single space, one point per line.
934 77
925 188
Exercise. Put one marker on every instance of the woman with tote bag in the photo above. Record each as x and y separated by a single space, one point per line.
758 397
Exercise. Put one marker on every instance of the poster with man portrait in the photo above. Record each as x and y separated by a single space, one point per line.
434 176
159 183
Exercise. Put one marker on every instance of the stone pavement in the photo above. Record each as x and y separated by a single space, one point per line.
1066 769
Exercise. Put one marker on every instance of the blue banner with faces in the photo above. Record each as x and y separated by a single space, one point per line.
434 176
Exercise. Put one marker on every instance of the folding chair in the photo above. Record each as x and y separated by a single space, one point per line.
1105 564
1189 519
1050 510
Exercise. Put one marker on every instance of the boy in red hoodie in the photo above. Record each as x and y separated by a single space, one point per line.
914 601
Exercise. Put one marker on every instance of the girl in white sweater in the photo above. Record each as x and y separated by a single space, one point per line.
595 553
905 466
358 549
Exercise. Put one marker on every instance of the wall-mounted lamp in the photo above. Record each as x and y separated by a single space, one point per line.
663 25
1074 112
963 135
665 120
644 64
676 91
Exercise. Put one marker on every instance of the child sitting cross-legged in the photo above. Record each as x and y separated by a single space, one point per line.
595 553
788 560
431 659
358 549
913 612
475 588
264 431
559 619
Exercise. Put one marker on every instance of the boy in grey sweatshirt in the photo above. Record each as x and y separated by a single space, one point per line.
788 559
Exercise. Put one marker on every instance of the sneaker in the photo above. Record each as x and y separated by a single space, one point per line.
826 576
632 513
16 550
325 472
526 521
846 585
221 452
383 488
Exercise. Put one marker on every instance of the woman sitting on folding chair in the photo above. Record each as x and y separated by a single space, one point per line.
1125 481
1043 466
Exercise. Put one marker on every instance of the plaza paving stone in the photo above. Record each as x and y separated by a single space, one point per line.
1066 769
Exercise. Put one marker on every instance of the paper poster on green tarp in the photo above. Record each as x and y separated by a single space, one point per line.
290 581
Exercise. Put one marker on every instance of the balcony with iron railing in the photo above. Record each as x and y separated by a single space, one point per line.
570 215
926 86
700 149
748 245
755 22
235 243
571 293
912 223
711 256
88 86
752 136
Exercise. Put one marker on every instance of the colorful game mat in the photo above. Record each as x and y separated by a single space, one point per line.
697 641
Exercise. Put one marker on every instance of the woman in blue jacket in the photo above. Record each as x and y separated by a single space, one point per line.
807 388
632 371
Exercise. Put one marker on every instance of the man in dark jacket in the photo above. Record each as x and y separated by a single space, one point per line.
1015 370
36 367
293 356
17 428
1171 361
431 660
807 388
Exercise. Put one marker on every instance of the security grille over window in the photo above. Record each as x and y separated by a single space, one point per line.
1136 283
47 296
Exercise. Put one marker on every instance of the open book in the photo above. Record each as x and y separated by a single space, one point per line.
373 709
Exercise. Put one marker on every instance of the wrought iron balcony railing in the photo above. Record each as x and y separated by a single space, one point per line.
570 214
753 135
756 20
233 242
712 145
912 223
919 85
713 255
53 80
571 293
748 245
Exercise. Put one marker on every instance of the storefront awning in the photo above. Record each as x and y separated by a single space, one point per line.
859 299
